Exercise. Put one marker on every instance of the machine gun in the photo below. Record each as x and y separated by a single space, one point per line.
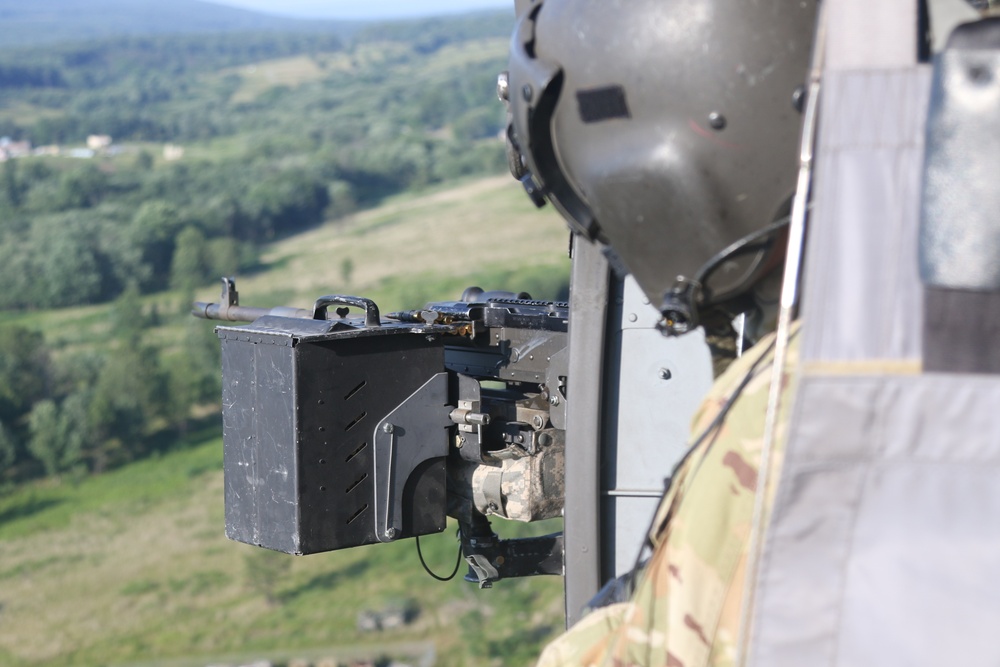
341 431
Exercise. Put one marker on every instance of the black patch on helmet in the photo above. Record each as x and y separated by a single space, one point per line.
604 103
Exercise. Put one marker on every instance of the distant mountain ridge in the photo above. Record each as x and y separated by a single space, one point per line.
33 22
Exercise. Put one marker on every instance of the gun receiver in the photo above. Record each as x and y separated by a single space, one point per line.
340 431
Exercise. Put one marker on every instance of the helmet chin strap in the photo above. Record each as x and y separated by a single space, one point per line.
683 301
680 307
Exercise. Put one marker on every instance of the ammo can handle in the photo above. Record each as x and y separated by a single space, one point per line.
371 310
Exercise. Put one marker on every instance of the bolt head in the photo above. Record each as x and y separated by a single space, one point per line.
716 121
665 374
390 532
527 92
387 428
799 98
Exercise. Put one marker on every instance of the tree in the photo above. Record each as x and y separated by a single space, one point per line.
222 257
64 253
8 450
189 267
24 371
153 230
81 188
11 189
193 376
129 390
50 442
144 160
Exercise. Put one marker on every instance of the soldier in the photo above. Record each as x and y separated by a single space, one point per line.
666 132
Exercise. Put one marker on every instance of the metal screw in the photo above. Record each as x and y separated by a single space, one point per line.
980 74
459 441
492 507
388 428
544 439
527 92
799 98
665 374
632 317
716 120
553 399
538 421
390 532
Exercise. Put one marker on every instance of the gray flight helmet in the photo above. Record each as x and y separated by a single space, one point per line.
666 130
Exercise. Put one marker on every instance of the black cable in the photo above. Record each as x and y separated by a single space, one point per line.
458 563
759 241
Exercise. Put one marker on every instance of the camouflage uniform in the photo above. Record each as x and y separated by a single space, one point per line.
685 611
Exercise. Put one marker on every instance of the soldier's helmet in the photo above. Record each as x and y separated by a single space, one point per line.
667 131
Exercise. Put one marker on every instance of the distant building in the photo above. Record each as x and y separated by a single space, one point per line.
172 152
97 142
50 150
10 149
81 153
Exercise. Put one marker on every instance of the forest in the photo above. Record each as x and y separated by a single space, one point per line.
277 133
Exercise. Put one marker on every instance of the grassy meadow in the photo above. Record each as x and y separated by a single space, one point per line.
131 567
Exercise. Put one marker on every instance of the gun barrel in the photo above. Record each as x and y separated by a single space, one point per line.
237 313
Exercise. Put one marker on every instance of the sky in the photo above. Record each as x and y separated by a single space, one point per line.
365 9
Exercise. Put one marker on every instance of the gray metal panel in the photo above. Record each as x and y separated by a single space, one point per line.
631 519
886 533
257 464
862 297
655 384
589 307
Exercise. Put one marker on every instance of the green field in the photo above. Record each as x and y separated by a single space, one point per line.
131 566
420 247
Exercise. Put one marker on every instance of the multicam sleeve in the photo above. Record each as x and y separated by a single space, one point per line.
685 610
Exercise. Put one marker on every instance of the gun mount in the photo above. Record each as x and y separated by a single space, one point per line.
341 431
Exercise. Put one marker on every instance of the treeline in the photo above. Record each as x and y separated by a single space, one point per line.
139 88
84 236
105 62
95 410
179 88
31 76
430 34
382 120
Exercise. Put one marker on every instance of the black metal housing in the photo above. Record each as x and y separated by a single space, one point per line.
300 407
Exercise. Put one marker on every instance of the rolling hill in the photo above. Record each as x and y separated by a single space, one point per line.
48 21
